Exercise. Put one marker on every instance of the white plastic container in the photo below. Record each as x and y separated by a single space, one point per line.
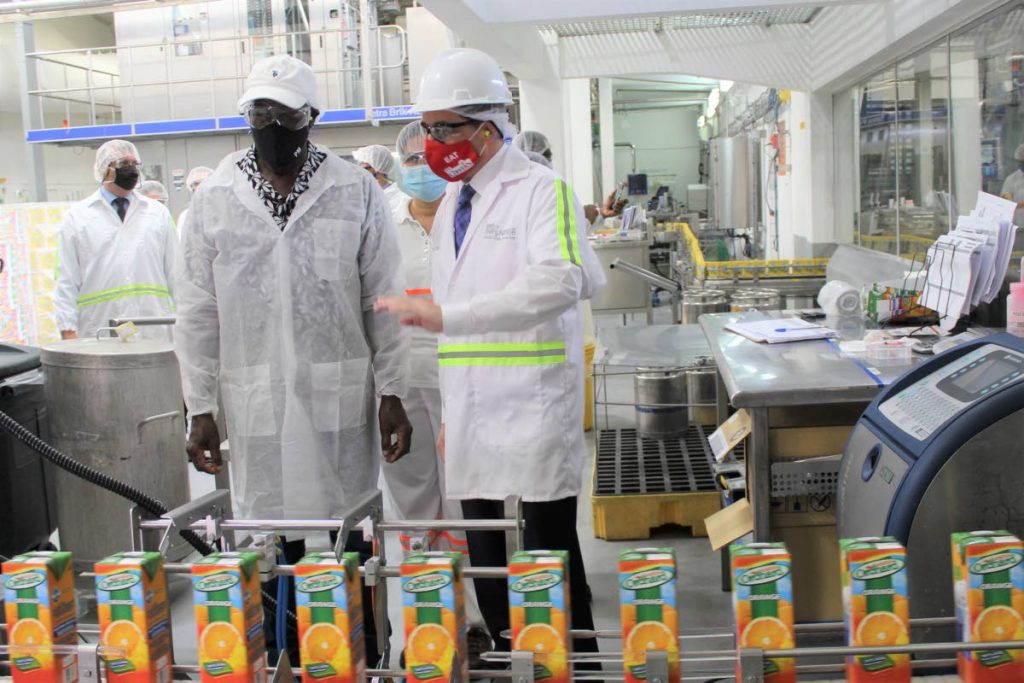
1015 309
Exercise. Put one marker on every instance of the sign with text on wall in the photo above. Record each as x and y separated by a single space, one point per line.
394 113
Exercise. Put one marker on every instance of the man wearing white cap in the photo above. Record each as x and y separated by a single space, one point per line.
117 251
1013 186
511 267
378 162
287 248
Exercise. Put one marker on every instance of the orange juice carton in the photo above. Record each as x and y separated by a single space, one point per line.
538 596
229 618
39 603
434 610
874 577
762 598
650 617
134 616
988 589
329 601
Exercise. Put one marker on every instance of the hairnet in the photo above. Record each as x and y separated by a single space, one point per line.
197 175
111 152
532 141
377 156
495 113
154 187
411 139
1019 154
537 157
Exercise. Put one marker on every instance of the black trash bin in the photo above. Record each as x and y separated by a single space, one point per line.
27 510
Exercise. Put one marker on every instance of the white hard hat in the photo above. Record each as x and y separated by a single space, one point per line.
110 152
459 77
1019 154
378 157
281 78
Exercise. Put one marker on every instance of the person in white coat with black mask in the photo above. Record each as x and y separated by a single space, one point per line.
511 267
117 252
287 248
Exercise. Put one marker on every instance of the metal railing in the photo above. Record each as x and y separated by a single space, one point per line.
94 95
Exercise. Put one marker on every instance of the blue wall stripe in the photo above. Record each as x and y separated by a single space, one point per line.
119 130
176 126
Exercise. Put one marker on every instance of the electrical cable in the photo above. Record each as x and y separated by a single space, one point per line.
126 491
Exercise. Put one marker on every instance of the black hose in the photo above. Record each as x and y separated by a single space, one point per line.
126 491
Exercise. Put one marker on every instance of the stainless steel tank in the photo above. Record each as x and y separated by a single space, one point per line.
117 407
697 302
702 392
755 299
660 401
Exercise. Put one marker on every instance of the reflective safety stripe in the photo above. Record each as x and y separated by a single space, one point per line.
567 236
419 293
498 353
124 292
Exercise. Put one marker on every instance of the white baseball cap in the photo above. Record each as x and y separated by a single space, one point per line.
281 78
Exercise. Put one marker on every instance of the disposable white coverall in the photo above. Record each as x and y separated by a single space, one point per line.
511 355
285 320
395 198
109 268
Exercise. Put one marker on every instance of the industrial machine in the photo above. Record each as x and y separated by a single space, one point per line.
938 451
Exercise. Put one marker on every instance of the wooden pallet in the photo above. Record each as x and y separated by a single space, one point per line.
618 518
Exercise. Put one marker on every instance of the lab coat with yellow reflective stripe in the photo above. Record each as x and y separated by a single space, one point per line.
511 355
110 269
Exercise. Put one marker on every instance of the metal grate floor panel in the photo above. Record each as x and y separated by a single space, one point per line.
630 464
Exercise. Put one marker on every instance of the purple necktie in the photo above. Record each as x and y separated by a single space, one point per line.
463 214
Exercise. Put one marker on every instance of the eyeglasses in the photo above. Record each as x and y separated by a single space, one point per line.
442 130
125 163
259 116
414 159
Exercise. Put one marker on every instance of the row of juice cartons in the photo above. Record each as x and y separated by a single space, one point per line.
988 589
135 629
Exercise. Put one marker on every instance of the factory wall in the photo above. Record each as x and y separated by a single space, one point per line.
667 147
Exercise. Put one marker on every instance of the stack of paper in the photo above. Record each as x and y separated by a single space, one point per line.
780 330
967 266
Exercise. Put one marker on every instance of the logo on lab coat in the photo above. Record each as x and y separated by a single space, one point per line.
493 231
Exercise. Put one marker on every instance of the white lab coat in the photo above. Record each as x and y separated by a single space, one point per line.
180 223
415 248
109 268
1013 189
511 355
394 197
285 320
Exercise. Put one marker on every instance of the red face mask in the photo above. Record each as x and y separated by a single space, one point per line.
451 162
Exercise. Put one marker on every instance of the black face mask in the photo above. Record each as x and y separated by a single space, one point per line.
127 177
279 147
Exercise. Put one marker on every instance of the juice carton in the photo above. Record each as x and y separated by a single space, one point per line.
762 597
329 600
650 617
131 598
39 602
988 580
538 590
874 576
229 618
434 610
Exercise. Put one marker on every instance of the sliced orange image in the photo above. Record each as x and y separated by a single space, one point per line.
29 632
766 633
880 629
539 638
123 635
219 640
651 635
322 642
430 644
998 622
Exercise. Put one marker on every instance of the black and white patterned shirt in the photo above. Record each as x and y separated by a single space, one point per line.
280 207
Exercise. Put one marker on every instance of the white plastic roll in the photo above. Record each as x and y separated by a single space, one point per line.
839 298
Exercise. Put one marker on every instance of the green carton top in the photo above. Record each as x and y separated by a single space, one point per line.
537 556
55 560
151 562
645 553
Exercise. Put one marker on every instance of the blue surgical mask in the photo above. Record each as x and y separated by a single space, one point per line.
420 182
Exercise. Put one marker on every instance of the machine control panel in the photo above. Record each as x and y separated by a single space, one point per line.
923 407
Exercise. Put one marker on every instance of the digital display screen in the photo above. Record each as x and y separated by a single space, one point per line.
992 369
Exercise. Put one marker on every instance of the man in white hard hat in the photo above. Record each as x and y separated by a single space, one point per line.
378 162
117 252
193 180
287 248
511 267
1013 186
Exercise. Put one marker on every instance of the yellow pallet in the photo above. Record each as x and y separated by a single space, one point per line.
627 517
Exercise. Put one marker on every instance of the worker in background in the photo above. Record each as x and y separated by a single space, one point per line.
287 248
193 180
155 190
511 265
117 252
534 141
1013 186
416 482
378 162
